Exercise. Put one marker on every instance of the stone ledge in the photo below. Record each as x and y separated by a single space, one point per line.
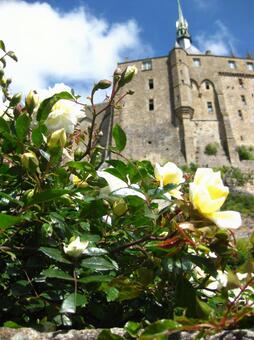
92 334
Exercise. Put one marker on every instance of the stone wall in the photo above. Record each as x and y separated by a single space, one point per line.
197 100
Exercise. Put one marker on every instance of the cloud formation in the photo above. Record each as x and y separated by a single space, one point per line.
204 4
221 42
73 47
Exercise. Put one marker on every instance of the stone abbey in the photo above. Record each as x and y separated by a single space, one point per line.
186 101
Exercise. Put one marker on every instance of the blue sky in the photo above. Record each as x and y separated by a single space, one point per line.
156 19
80 41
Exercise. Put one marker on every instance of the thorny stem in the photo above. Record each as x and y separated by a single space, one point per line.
242 289
31 284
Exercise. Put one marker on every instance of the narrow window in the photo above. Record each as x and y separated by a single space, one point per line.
146 65
207 85
241 137
243 99
151 105
240 114
231 64
250 66
151 84
240 83
209 107
196 62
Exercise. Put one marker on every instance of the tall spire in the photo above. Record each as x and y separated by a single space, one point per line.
183 37
180 12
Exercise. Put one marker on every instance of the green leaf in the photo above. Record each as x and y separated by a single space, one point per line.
204 309
4 127
119 137
54 254
132 328
37 135
112 294
22 126
92 251
2 45
12 55
56 274
14 200
72 301
47 104
159 329
95 278
7 221
186 297
99 264
3 62
106 334
47 195
11 324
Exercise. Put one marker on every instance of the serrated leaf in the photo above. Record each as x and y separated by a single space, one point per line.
2 45
53 273
54 253
22 126
119 137
47 104
97 263
112 294
7 221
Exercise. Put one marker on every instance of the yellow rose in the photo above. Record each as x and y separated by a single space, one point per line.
169 174
78 182
207 194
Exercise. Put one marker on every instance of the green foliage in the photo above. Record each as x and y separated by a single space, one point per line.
211 149
246 152
77 251
240 202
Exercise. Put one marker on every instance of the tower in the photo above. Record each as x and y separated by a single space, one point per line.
183 37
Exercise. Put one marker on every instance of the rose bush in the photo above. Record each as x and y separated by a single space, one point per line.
85 247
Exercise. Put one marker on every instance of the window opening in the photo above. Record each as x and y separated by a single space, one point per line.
209 107
241 83
151 105
196 62
146 65
243 99
250 66
231 64
151 84
240 114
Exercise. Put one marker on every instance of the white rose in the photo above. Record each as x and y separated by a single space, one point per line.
119 187
65 113
76 248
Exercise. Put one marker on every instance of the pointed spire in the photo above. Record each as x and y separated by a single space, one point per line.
180 13
182 29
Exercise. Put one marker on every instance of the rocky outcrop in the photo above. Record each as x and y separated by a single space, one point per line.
92 334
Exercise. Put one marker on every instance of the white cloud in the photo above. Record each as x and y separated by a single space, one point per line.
204 4
72 47
220 43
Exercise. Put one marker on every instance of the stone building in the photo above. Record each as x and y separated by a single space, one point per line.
187 101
